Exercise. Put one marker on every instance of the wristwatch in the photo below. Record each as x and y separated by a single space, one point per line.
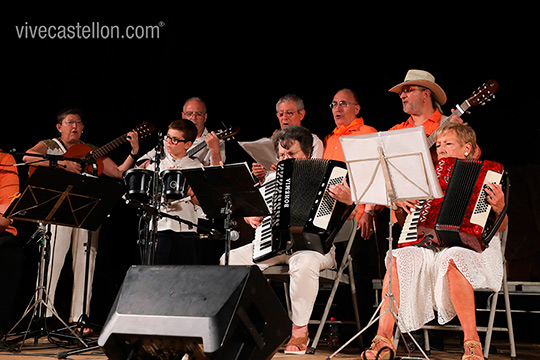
370 212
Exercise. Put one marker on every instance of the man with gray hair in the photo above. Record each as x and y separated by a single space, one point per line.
194 109
290 110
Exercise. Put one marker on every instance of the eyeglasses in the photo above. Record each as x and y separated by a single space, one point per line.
341 103
174 140
288 155
197 114
73 122
289 113
410 89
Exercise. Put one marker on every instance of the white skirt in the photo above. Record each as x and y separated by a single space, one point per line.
423 285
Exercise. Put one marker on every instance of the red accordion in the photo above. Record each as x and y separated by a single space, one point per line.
460 218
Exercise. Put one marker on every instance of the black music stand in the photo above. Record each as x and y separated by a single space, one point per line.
392 166
53 196
226 191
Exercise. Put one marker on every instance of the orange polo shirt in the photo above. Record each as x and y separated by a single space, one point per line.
430 125
9 183
332 146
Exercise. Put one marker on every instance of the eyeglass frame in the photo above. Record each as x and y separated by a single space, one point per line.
342 103
173 140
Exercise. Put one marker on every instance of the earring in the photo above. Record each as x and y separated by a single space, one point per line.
466 154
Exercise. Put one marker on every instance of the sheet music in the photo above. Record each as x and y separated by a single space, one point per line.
262 151
409 165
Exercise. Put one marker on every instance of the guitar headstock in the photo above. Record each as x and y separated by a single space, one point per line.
144 129
484 93
227 133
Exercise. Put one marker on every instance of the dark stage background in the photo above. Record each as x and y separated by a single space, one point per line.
241 67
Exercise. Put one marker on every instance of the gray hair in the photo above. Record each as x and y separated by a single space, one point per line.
291 97
287 136
194 98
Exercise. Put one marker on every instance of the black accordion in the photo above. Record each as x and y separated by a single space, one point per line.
303 214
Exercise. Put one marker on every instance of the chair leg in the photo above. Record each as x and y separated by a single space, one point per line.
317 337
287 299
508 311
355 302
489 332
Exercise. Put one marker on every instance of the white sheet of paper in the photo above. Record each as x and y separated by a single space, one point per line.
411 170
262 151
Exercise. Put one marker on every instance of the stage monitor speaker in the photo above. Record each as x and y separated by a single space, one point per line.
208 312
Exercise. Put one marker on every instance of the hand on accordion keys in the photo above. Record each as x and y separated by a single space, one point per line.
495 197
341 192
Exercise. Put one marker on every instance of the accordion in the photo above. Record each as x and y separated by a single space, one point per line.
303 214
461 217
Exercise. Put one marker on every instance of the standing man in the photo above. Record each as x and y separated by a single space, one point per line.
422 99
345 109
70 127
194 109
214 154
290 110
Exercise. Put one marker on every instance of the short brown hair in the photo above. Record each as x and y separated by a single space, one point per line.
187 127
68 111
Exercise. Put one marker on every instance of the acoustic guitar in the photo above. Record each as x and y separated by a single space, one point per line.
92 158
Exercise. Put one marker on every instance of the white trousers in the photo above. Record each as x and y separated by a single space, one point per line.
304 269
62 238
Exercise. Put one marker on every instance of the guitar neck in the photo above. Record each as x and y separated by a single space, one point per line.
103 150
460 110
195 149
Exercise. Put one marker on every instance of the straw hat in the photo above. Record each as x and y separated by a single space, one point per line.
425 79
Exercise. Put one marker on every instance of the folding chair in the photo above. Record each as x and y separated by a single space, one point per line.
492 311
334 276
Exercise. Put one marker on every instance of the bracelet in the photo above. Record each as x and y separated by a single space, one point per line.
133 156
370 213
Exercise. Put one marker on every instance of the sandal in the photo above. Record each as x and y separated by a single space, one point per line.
386 352
470 347
301 343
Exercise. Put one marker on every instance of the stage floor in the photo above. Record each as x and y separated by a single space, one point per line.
46 350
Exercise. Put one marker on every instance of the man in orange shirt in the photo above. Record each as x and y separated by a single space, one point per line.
345 109
11 253
422 99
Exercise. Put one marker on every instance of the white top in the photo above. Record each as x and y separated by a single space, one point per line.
183 208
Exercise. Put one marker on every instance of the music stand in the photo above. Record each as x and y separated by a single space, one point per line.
225 192
391 166
53 196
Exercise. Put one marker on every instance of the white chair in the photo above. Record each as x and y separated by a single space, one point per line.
332 276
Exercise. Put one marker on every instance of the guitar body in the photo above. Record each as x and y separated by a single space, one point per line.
83 151
94 156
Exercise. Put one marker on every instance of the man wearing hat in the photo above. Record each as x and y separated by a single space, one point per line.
422 99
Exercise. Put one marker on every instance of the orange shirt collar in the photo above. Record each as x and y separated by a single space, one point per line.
435 118
356 123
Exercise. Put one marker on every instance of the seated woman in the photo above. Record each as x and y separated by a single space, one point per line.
304 266
425 280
